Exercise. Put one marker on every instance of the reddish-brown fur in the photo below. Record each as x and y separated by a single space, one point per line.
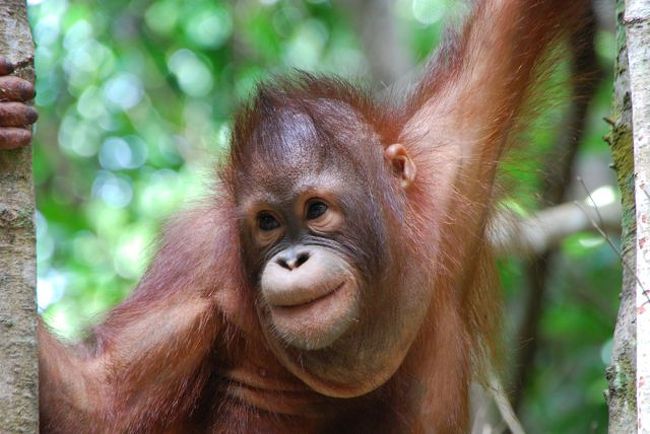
186 352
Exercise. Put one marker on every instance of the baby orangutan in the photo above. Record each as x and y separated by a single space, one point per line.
339 281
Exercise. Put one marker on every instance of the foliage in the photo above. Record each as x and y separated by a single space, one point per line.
136 99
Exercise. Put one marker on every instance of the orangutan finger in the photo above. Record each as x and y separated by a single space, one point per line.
11 138
15 89
15 114
6 67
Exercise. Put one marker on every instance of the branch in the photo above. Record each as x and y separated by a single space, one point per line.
491 409
546 229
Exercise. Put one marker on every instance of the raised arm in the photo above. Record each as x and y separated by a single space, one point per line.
475 86
461 118
155 351
471 101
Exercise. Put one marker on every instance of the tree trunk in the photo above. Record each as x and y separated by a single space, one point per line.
18 361
621 374
637 26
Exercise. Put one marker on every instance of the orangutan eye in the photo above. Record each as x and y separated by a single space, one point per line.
266 222
315 210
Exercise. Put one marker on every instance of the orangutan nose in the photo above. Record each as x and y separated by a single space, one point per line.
292 259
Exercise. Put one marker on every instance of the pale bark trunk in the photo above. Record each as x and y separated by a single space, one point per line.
621 374
637 26
18 361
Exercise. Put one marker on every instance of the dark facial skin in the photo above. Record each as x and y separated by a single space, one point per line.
296 225
16 117
317 246
307 284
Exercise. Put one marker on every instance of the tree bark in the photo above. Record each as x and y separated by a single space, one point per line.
18 351
621 374
637 26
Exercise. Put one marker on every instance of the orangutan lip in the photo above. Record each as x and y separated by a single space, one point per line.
309 302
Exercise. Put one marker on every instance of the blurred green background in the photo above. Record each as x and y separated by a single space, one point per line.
136 100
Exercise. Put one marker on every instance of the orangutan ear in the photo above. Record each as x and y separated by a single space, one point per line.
401 163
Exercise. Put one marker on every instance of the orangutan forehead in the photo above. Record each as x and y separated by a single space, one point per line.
280 189
310 120
288 143
277 147
291 134
305 136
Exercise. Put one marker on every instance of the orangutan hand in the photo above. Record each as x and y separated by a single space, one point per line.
16 117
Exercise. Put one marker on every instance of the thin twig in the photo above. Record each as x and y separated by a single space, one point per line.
598 227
